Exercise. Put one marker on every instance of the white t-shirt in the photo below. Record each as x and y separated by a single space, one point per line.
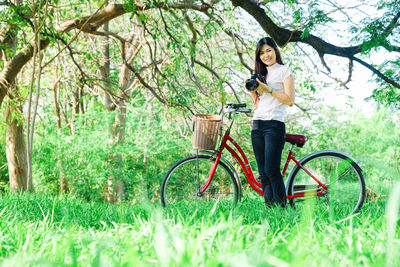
269 108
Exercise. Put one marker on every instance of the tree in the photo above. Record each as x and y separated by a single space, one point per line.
378 32
368 35
193 50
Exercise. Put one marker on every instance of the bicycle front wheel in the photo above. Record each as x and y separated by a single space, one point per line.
183 182
338 172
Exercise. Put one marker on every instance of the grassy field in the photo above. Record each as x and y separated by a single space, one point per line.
40 230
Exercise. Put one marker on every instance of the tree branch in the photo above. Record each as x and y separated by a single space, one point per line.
13 67
23 16
238 51
234 37
350 73
90 24
283 36
393 24
144 83
377 72
219 78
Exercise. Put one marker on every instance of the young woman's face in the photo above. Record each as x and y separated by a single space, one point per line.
267 55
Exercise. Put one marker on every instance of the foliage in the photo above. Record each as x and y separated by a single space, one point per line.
388 94
4 182
150 146
374 147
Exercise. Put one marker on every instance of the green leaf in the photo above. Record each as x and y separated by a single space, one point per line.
304 34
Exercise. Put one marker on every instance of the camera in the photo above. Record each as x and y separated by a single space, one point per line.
252 84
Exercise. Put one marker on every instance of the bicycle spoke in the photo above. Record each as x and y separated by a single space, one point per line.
184 181
346 189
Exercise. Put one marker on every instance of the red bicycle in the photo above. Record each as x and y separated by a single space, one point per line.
330 175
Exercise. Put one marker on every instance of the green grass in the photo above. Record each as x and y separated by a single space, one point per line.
41 230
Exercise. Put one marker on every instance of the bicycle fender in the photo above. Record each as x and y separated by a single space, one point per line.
305 158
228 163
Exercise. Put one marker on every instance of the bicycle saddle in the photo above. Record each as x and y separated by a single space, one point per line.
296 139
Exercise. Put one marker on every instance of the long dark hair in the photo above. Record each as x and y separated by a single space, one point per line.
260 67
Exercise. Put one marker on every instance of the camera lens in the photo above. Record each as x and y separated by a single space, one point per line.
251 84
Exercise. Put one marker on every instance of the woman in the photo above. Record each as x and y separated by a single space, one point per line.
268 133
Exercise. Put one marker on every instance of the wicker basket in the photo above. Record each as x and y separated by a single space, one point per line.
206 130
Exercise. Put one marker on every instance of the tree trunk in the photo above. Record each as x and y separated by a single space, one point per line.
15 141
16 155
117 138
75 109
60 165
147 180
112 185
116 187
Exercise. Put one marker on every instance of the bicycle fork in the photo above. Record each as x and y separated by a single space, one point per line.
214 167
210 176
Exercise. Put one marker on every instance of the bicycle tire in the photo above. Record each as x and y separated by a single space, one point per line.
340 172
182 183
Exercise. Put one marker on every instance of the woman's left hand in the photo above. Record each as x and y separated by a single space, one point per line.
262 87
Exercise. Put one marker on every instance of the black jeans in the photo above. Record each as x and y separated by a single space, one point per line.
268 139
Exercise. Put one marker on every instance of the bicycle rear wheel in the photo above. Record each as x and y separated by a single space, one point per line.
183 182
338 172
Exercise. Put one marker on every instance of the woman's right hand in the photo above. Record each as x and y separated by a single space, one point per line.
254 95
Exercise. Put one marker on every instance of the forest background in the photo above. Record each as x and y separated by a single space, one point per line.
97 97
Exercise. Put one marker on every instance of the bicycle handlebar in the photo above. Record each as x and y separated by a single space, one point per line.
236 108
248 111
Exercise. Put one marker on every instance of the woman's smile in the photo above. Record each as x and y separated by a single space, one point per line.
267 55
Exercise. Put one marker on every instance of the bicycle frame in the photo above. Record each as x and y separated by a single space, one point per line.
245 166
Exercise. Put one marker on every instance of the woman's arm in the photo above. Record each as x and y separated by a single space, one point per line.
256 97
287 97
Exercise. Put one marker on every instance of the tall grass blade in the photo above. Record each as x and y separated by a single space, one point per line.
392 215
